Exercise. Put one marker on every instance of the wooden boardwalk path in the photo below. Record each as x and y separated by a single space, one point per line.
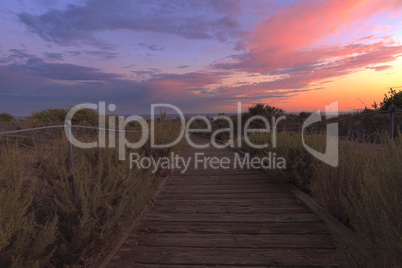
226 218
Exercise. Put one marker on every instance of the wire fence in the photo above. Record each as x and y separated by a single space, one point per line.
68 128
392 110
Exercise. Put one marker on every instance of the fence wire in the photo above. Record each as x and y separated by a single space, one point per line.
138 131
74 126
332 121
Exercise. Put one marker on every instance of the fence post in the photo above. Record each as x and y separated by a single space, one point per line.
71 158
391 110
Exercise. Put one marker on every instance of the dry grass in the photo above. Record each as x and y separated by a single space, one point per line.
363 191
40 225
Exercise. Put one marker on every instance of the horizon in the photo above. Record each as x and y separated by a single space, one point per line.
186 115
201 56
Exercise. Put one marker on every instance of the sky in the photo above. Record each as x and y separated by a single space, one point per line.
202 56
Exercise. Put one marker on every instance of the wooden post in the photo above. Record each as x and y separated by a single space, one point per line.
71 158
391 110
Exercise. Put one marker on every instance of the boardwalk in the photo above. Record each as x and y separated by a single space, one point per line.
226 218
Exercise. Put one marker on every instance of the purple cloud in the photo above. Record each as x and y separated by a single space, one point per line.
151 47
79 24
53 56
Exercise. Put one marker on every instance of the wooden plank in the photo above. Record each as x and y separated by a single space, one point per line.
212 175
247 209
252 228
267 202
145 265
261 217
220 190
228 256
250 175
221 181
339 227
215 172
179 186
231 240
206 196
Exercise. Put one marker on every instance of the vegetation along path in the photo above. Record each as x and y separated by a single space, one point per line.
226 217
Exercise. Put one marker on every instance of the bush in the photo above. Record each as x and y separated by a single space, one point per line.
49 117
6 117
84 116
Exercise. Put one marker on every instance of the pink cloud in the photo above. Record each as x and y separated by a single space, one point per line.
380 68
282 39
286 43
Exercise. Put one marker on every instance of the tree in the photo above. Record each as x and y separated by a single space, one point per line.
394 98
265 110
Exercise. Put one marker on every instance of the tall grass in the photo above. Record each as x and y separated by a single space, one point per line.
25 238
40 225
363 191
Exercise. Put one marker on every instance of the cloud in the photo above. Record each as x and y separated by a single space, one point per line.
285 38
287 43
286 46
53 56
102 54
61 71
19 54
187 19
47 84
380 68
73 52
151 47
151 72
279 40
129 66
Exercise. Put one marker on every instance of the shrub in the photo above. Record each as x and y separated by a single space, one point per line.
6 117
49 117
84 116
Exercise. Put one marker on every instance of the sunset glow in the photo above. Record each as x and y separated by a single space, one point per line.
201 56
